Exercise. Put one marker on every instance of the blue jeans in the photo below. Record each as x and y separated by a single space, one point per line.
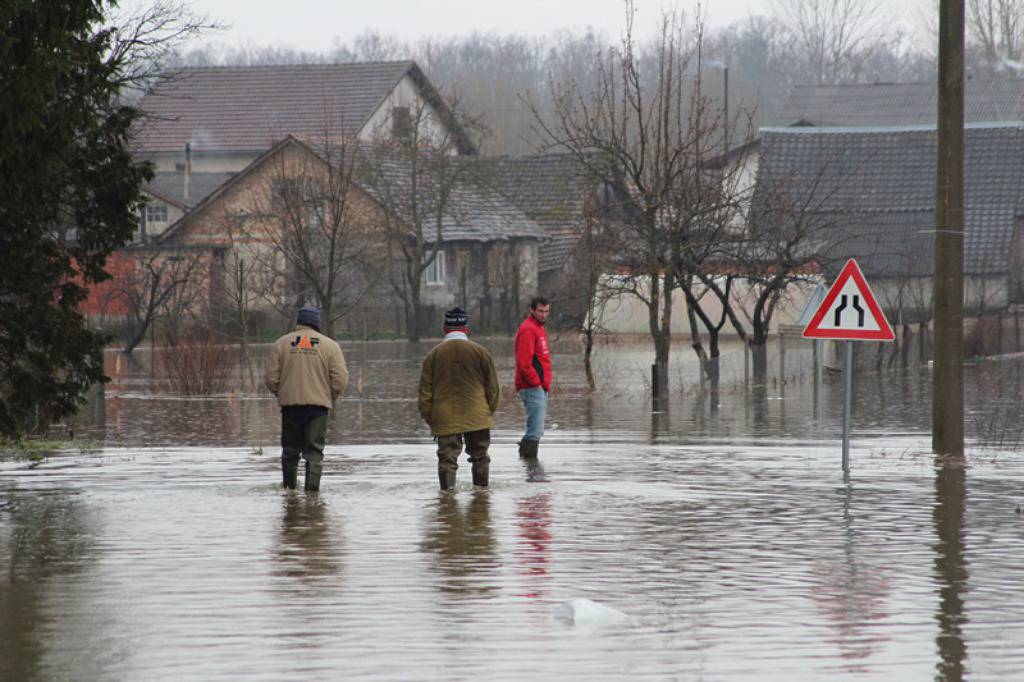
535 400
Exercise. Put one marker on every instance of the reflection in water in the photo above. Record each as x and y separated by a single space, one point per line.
43 540
533 516
950 568
853 595
462 542
307 547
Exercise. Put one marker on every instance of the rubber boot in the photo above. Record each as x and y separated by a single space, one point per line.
481 473
528 448
289 472
446 477
313 472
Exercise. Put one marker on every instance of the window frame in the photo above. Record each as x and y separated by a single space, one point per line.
437 270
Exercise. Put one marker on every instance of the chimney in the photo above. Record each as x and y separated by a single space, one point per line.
188 171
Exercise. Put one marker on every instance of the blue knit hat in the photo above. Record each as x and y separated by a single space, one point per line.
309 316
456 318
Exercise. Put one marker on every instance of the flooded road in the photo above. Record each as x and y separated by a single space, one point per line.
716 541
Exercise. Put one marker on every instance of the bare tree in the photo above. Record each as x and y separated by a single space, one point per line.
831 39
996 29
247 284
414 172
163 285
646 130
146 40
313 221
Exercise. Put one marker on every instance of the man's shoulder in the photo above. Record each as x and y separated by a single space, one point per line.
479 348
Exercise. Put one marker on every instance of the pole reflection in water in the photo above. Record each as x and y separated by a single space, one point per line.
853 594
950 567
463 546
307 546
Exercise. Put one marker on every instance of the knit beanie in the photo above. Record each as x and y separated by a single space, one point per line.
309 316
456 318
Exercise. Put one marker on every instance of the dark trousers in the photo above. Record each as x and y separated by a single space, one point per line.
303 437
450 447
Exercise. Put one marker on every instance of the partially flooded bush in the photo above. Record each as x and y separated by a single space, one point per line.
197 365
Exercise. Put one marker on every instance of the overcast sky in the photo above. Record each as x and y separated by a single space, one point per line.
317 25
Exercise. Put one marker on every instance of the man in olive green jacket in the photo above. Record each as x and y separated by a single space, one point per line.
306 371
459 394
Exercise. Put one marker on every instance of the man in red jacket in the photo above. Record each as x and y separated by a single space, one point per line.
533 373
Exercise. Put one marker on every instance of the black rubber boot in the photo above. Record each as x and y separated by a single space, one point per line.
446 478
528 448
289 472
313 472
481 473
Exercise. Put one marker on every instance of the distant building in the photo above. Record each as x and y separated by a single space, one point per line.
215 134
869 193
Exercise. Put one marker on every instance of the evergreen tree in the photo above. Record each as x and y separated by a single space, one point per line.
69 196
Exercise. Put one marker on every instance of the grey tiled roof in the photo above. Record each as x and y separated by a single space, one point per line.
248 108
888 175
170 186
551 189
894 104
475 212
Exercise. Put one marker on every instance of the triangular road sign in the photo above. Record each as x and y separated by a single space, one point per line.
849 311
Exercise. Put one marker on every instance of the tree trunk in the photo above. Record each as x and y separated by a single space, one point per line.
759 360
587 364
413 320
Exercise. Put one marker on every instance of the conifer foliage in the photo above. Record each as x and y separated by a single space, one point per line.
69 196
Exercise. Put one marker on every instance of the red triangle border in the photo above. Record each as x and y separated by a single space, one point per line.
883 333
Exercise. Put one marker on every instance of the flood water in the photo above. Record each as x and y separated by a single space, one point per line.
716 541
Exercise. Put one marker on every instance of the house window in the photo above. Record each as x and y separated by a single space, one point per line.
434 274
401 123
156 213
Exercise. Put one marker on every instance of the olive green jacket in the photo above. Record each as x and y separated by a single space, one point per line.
305 367
459 389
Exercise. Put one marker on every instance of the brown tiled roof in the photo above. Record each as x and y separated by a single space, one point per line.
248 108
474 210
551 189
895 104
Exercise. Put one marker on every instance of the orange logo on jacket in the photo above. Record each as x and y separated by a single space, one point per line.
304 342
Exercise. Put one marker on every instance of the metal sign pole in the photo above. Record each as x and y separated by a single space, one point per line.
847 399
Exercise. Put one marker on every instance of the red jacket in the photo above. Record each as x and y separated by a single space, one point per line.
533 357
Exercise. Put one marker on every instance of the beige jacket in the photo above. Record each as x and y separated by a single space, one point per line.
306 367
459 390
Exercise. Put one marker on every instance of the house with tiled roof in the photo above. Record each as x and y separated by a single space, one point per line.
229 115
898 104
557 193
486 261
869 192
205 123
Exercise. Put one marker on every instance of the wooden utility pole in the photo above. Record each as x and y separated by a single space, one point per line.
948 282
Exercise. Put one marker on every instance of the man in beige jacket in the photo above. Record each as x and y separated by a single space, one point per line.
306 371
459 394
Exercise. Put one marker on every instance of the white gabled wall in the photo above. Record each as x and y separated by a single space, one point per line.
405 94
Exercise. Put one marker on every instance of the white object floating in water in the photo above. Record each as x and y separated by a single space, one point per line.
586 612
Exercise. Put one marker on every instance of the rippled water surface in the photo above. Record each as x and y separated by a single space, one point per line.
718 540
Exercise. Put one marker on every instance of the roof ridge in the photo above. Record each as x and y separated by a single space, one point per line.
306 65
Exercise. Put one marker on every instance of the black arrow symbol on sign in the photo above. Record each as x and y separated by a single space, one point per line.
856 306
